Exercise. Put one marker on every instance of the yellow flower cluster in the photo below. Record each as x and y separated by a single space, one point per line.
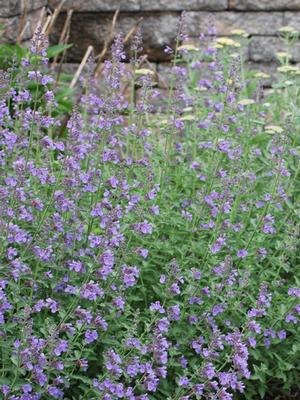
289 30
239 32
283 54
144 71
246 102
188 47
289 69
273 129
226 42
261 75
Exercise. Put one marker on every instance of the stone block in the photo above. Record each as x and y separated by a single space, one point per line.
179 5
264 49
92 29
264 5
97 5
267 68
10 8
292 19
136 5
12 27
258 23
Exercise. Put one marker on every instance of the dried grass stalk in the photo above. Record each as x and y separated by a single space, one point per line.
54 17
81 66
64 37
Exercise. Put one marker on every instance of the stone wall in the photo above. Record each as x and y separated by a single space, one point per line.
19 17
91 22
260 18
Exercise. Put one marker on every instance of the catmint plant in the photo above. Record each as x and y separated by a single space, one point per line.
147 256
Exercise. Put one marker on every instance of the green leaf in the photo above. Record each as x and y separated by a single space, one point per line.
57 49
262 391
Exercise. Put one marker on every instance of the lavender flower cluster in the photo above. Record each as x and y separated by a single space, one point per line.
145 258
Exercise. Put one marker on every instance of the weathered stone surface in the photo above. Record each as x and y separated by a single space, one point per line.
10 8
258 23
179 5
68 68
136 5
264 49
264 4
12 27
292 19
159 29
97 5
163 74
92 29
267 68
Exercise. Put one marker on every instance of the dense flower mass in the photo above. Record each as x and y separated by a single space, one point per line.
148 256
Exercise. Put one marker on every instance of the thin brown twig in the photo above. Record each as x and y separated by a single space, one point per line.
23 21
41 18
66 26
46 24
54 17
107 42
63 39
21 35
63 56
81 66
131 32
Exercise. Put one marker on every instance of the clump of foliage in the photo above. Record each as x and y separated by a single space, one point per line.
147 257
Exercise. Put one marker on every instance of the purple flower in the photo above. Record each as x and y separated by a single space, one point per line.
5 389
281 334
219 243
90 336
142 252
157 307
254 327
198 389
174 312
242 253
293 291
252 341
217 309
91 291
27 388
168 50
183 362
219 107
55 392
119 303
209 371
290 318
163 325
183 381
129 275
107 259
145 228
154 209
52 305
61 347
